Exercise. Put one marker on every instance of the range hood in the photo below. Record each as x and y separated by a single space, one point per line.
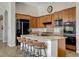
47 23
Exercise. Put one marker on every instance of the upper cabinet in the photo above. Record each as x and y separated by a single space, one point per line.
67 15
33 22
72 14
42 19
22 16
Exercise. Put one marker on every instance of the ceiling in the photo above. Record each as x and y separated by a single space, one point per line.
40 8
36 4
43 4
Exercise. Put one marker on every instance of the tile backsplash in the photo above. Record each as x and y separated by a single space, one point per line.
42 29
58 30
38 29
54 30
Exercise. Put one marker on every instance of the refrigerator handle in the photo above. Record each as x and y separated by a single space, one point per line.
22 28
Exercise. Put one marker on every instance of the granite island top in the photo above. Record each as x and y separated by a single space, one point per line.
51 37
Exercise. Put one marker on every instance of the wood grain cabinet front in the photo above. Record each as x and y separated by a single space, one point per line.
33 22
72 14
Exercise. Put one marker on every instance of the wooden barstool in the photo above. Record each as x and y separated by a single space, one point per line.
19 39
41 46
31 47
23 43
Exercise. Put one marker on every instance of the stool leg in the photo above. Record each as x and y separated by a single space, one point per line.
30 50
45 53
39 52
34 51
21 46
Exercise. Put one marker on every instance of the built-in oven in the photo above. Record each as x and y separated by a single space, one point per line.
70 33
69 28
71 40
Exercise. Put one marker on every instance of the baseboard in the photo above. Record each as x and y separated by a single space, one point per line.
11 45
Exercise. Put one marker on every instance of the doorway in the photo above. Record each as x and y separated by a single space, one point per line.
1 28
5 27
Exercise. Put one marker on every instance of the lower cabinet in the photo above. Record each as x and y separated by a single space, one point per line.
61 48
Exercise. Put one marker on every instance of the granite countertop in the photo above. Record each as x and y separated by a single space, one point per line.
51 37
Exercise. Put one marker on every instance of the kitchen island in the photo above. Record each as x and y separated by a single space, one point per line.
55 44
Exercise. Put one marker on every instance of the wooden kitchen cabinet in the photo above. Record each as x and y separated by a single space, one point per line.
56 16
61 14
66 14
33 22
42 19
22 16
53 20
61 48
48 18
72 14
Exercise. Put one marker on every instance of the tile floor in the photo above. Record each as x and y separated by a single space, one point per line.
6 51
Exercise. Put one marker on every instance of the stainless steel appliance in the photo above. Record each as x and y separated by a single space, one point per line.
70 33
22 27
59 22
69 28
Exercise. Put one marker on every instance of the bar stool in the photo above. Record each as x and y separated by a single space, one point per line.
31 47
35 42
23 41
19 39
41 46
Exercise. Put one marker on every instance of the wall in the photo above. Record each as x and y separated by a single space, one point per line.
40 10
2 9
10 7
26 9
57 6
11 25
1 30
77 27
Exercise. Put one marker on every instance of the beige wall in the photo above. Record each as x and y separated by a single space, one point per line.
1 31
57 6
77 27
26 9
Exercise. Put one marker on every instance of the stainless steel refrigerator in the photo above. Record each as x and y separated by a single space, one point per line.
22 28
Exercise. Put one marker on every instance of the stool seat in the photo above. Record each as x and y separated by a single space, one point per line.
41 46
19 39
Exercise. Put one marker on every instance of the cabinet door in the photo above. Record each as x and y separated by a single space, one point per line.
61 15
22 16
66 15
33 22
53 20
72 14
61 48
40 21
48 18
56 16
